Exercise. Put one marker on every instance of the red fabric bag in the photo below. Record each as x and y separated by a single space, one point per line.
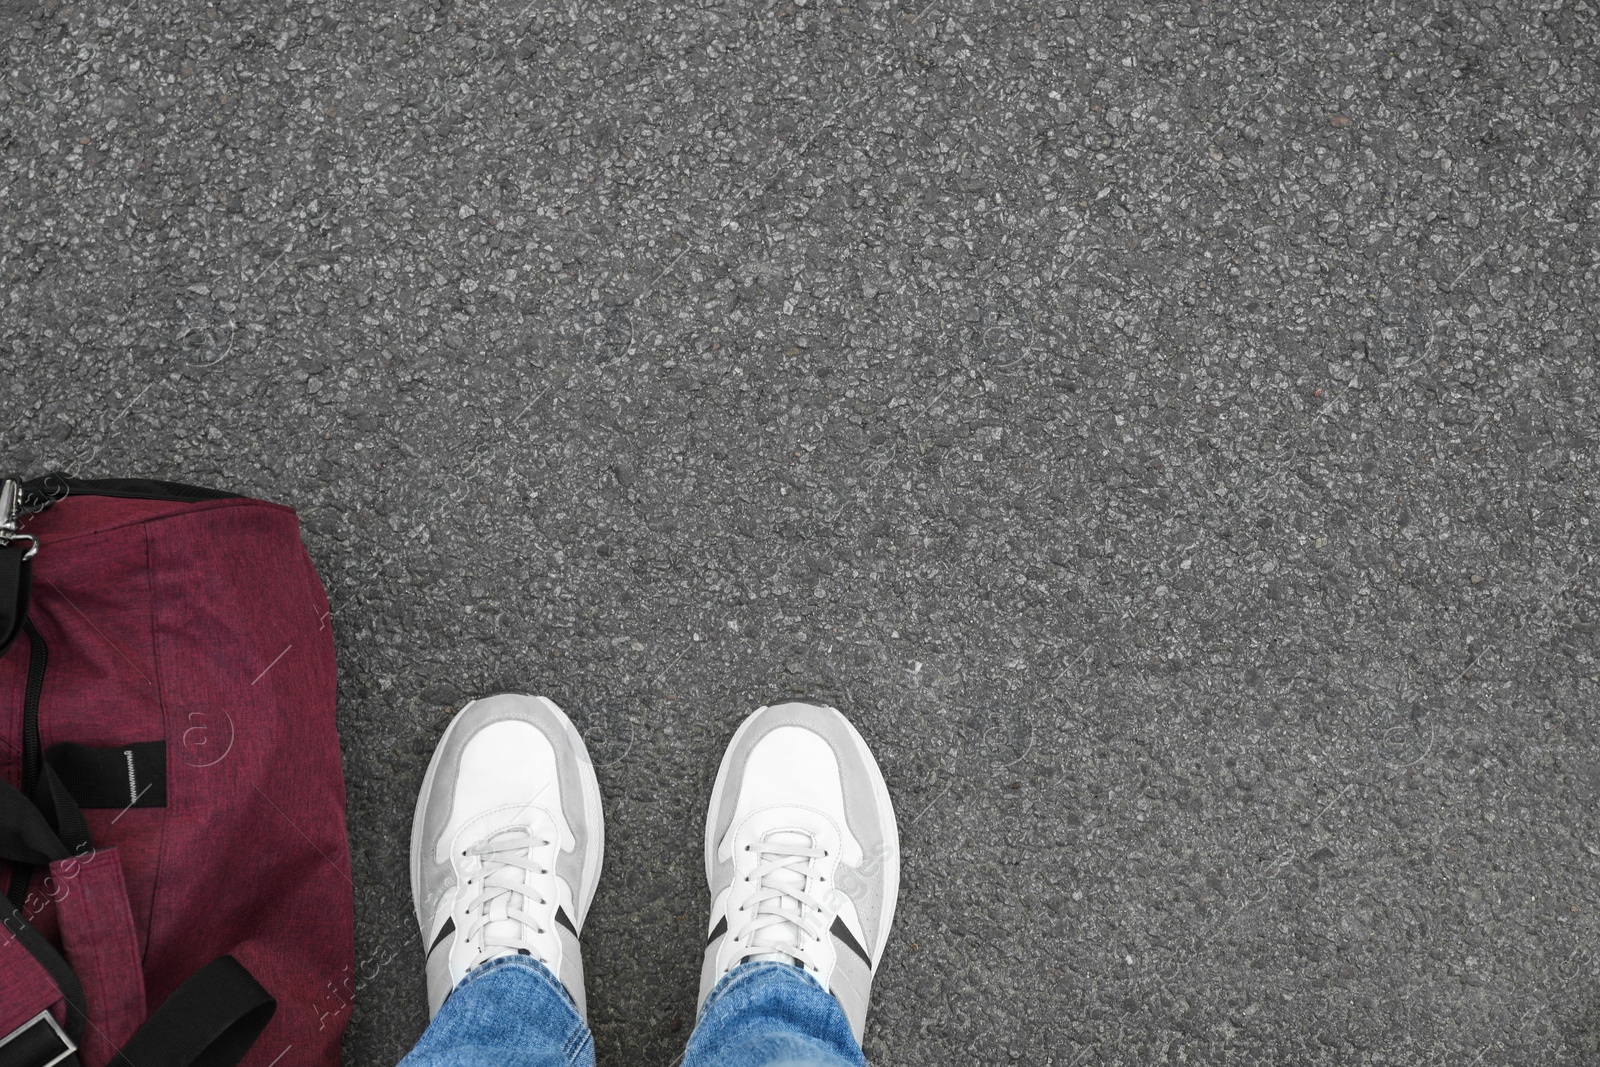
172 834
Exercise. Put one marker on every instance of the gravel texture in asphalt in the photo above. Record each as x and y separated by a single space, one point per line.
1168 430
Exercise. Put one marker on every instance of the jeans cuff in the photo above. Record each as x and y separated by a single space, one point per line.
521 963
751 971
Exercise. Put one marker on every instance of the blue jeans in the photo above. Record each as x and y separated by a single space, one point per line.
512 1012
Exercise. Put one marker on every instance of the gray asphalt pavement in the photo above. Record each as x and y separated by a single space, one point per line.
1168 429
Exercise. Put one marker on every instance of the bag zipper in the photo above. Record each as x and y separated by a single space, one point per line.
37 494
19 499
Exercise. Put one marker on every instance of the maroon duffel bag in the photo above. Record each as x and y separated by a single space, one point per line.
171 795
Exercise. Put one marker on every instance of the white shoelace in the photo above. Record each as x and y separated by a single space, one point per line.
781 920
502 887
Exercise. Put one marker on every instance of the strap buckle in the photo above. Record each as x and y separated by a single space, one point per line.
39 1042
10 498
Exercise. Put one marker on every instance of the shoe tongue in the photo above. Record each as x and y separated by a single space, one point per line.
787 934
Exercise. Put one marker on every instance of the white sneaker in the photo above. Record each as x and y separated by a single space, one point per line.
802 854
506 843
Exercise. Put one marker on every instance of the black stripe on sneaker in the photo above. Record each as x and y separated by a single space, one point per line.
444 932
718 930
842 932
565 920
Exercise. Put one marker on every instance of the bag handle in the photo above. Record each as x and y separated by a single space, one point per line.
27 840
99 941
97 974
212 1020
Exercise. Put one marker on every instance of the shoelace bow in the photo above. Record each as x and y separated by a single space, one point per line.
502 894
782 918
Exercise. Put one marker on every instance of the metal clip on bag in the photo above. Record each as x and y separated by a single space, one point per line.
172 836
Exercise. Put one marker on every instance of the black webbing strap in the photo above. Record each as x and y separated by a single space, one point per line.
209 1021
57 805
37 1043
16 582
26 838
33 767
32 750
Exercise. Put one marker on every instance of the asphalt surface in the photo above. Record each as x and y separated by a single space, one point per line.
1168 430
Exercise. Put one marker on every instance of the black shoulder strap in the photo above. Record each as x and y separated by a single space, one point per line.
209 1021
16 583
39 780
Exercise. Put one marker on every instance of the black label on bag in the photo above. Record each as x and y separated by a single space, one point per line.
121 776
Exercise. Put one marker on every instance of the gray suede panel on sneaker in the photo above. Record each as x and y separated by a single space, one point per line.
865 821
503 707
